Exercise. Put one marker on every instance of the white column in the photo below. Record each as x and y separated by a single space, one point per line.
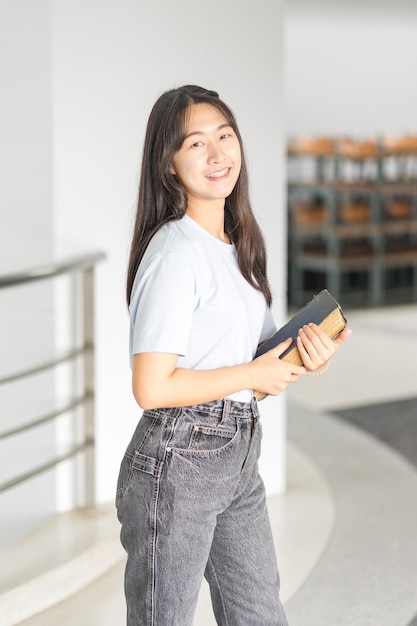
111 61
26 231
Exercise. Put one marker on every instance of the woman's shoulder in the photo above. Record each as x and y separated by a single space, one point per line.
172 238
169 256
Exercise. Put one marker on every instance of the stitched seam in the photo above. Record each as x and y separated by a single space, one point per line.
241 486
152 553
211 564
153 533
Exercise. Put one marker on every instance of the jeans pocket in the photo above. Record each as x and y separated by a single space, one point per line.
203 440
210 438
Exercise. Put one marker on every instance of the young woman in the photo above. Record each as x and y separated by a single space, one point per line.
189 495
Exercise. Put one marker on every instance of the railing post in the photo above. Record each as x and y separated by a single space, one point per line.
82 265
89 378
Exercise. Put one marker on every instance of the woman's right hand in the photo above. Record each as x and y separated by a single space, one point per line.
272 375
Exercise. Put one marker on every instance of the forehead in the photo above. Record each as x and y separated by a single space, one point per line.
203 116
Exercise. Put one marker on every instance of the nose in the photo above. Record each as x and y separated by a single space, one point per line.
215 153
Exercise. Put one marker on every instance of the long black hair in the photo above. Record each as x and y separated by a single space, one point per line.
162 198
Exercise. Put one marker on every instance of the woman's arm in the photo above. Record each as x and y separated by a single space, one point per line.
158 382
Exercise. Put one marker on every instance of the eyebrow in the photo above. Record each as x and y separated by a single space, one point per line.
200 132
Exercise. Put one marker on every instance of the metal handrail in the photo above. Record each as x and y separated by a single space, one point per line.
13 482
84 264
41 367
47 417
42 272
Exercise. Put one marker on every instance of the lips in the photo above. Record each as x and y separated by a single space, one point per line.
219 173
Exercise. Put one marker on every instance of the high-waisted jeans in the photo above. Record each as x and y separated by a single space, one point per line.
192 504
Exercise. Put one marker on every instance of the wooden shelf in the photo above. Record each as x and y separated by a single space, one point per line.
363 226
357 230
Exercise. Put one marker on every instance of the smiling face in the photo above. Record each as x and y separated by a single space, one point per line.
208 162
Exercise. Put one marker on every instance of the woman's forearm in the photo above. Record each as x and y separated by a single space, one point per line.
184 387
159 383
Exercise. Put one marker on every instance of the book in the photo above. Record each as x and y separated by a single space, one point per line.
322 310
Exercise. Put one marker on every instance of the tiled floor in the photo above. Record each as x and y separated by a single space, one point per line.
102 602
345 529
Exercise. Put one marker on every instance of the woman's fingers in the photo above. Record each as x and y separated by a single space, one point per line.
316 338
280 349
315 347
273 374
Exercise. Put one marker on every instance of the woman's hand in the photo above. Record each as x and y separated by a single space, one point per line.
316 348
272 375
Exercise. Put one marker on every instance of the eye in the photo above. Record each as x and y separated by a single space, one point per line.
225 136
197 144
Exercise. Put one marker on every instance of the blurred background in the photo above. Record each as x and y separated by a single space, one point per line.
325 97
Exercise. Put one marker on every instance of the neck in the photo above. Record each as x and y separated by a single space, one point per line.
211 219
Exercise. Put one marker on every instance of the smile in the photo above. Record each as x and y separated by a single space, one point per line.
219 174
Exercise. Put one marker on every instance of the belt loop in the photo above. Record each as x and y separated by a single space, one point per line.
227 403
255 408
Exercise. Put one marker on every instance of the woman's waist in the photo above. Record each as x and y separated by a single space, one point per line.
216 411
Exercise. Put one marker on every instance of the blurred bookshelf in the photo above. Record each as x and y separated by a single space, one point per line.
352 219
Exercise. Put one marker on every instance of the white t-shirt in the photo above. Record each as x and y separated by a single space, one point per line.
189 298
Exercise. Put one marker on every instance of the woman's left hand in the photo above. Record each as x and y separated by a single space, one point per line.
316 348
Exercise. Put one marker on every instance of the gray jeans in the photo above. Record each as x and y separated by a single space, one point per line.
192 504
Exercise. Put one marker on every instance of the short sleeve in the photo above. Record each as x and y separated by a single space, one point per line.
164 297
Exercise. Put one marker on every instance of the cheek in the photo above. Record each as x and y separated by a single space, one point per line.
187 174
238 160
185 167
237 156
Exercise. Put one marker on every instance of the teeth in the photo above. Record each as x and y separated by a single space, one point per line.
218 174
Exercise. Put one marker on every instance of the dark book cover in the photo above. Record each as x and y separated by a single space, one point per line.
323 310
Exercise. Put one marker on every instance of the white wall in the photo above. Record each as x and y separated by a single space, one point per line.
111 60
350 67
26 240
26 133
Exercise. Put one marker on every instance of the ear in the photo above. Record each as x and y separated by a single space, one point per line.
171 170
